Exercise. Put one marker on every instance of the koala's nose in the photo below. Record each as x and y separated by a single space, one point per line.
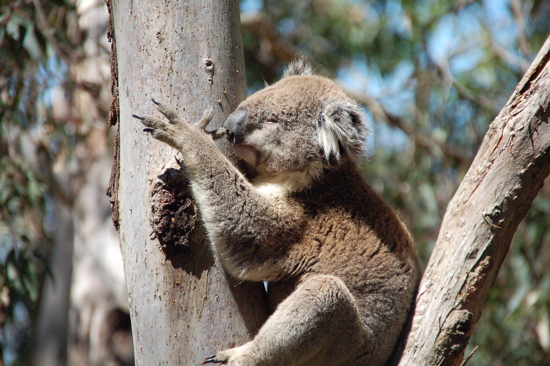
234 124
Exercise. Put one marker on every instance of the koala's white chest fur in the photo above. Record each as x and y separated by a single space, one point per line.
282 184
275 190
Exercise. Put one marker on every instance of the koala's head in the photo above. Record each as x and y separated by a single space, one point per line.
300 120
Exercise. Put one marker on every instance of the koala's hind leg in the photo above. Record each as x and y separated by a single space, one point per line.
318 324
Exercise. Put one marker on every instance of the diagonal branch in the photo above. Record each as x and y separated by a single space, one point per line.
506 175
478 100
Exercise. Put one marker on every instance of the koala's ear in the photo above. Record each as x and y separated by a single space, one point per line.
341 130
299 66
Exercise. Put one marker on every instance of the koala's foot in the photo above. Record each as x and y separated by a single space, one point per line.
213 359
238 356
170 132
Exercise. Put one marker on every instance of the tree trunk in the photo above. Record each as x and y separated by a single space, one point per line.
50 341
506 175
187 54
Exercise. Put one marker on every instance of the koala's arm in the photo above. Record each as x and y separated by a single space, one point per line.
227 200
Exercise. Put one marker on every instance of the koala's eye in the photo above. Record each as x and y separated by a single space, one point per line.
271 122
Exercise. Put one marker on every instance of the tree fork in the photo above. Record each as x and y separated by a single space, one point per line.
481 219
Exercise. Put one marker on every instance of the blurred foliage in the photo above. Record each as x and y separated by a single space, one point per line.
34 41
440 69
21 207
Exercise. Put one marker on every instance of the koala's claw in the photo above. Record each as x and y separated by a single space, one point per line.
212 359
172 131
170 113
206 118
217 134
147 129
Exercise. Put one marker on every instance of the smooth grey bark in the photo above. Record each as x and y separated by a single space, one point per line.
52 321
97 336
187 54
498 189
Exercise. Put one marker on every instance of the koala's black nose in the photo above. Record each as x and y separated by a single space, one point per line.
234 124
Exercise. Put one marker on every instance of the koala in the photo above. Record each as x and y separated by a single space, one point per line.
341 268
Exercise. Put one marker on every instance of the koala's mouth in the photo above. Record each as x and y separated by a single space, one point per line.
247 153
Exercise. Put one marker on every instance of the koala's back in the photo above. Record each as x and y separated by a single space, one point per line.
352 234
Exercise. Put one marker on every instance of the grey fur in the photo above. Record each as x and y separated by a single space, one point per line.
341 267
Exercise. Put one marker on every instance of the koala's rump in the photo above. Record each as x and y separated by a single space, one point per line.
357 237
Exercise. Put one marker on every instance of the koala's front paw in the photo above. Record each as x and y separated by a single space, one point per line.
171 132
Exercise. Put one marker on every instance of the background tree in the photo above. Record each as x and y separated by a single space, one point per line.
433 74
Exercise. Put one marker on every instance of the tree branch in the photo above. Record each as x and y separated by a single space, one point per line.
506 175
479 100
517 11
379 113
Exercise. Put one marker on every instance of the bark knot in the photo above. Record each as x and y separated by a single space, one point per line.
174 215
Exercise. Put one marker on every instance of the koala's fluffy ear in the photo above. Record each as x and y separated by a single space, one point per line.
298 67
341 130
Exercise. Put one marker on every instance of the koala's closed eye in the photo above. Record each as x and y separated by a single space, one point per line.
271 123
